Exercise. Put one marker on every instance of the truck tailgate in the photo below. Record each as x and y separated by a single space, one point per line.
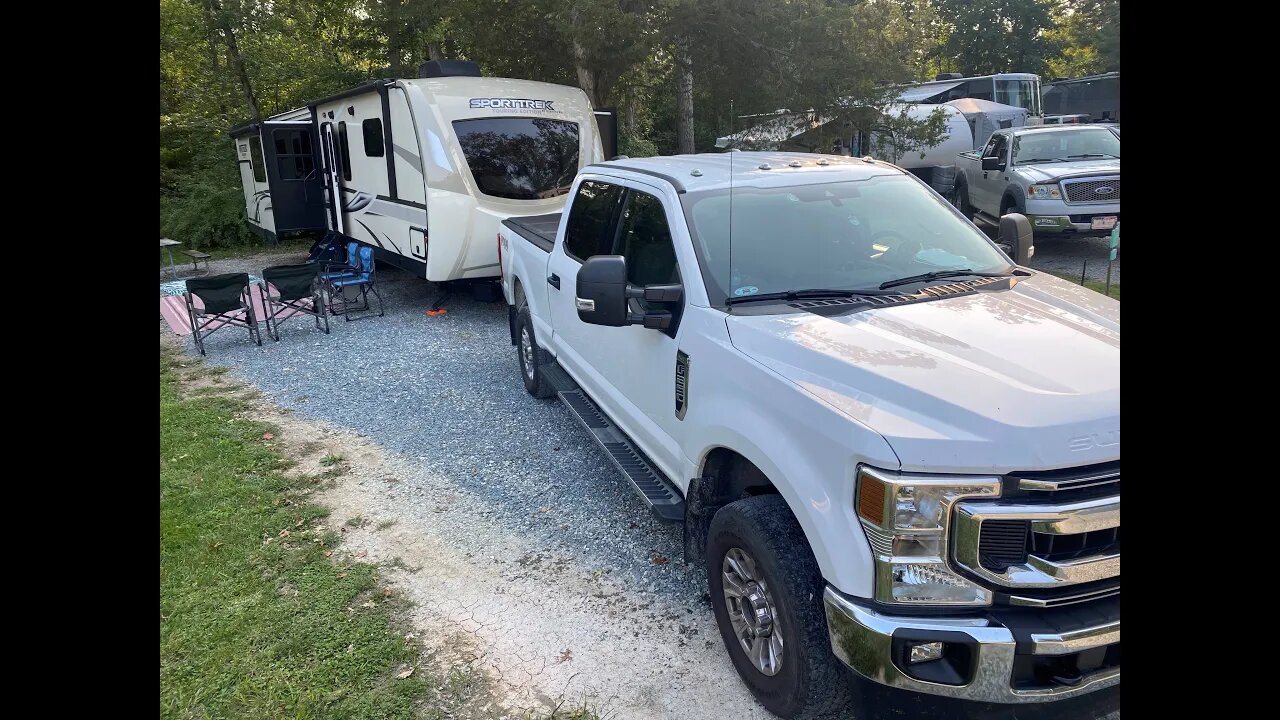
537 229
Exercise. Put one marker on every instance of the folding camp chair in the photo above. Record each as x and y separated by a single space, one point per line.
226 302
359 274
297 289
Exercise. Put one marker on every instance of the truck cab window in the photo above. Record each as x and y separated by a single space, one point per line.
645 241
591 220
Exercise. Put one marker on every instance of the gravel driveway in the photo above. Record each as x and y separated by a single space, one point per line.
508 492
1070 254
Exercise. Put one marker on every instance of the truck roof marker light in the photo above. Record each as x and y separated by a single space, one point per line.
868 159
764 166
695 172
794 163
871 496
824 162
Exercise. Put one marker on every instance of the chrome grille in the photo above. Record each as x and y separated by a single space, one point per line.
1049 544
1092 191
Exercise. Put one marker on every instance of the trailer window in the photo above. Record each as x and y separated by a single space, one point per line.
255 159
373 144
520 158
344 150
294 157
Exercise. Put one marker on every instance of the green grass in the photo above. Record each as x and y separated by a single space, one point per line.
254 624
256 620
1091 284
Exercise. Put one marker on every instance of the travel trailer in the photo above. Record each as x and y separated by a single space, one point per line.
423 170
1019 89
283 193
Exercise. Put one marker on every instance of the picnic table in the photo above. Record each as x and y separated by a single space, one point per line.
167 245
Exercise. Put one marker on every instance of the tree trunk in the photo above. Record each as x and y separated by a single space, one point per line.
393 26
434 52
211 37
233 57
684 96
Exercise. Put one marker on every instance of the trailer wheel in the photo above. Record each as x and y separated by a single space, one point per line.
766 591
527 352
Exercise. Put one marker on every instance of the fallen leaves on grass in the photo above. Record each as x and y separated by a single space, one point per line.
566 655
661 559
268 436
406 672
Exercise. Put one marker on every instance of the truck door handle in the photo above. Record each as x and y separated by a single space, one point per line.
554 281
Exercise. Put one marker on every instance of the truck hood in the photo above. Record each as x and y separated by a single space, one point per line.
1046 172
1021 379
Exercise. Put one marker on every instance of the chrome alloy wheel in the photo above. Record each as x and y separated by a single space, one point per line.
526 351
751 611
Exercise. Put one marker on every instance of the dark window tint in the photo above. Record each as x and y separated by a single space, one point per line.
520 158
373 144
646 242
294 156
344 150
590 228
255 159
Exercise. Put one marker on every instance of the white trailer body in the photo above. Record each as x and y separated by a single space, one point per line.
426 169
279 174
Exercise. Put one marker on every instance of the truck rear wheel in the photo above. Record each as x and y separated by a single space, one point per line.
766 591
531 367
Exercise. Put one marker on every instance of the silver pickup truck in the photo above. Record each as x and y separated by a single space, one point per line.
1064 178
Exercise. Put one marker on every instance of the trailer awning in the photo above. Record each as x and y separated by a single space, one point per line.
917 94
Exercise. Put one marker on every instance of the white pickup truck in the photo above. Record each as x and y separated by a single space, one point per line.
1064 178
896 450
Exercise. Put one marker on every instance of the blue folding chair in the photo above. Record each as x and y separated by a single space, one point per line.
358 274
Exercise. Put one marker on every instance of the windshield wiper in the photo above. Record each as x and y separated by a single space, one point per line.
937 274
1020 161
809 293
1089 155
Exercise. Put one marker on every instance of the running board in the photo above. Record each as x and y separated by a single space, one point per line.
653 486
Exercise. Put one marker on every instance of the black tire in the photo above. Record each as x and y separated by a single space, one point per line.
530 358
1010 204
810 682
962 198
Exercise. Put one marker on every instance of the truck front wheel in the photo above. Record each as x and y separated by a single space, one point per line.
531 368
960 198
766 591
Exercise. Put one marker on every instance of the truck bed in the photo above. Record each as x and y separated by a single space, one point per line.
537 229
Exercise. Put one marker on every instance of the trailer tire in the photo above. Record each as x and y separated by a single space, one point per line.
529 355
808 682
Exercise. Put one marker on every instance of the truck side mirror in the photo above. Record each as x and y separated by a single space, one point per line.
602 291
1017 238
991 163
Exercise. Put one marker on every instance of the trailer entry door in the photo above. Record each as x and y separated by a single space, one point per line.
293 169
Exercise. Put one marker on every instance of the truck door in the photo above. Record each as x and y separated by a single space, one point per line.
985 192
297 191
630 371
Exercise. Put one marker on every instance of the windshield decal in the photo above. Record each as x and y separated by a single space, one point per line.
746 290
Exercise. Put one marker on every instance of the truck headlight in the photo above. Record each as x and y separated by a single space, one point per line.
905 518
1044 192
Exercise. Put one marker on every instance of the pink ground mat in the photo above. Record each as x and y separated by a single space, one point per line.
173 308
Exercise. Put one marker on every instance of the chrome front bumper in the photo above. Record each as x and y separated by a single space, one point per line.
863 640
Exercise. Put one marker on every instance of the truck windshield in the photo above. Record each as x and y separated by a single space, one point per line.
1065 145
520 158
846 235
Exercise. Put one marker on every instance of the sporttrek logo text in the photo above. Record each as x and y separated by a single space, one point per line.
511 104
